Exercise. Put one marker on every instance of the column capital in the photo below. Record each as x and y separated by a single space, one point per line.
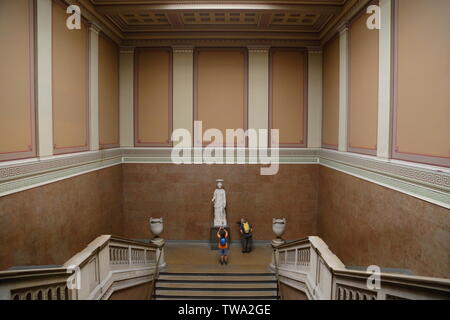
258 48
127 49
315 50
183 48
93 27
343 27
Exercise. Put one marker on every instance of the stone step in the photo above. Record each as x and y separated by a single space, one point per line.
216 291
209 297
214 285
241 274
225 285
218 277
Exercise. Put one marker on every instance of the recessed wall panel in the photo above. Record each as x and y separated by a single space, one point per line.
17 137
422 70
70 86
108 87
153 97
330 112
220 89
363 87
288 94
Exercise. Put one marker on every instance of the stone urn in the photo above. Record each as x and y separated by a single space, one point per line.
278 227
156 226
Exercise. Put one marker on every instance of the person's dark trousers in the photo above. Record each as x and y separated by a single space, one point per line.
246 243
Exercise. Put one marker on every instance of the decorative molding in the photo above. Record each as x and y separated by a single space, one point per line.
438 178
127 49
94 27
343 27
217 42
258 48
351 8
30 174
315 50
429 183
182 49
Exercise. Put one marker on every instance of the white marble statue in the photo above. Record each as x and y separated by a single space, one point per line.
220 202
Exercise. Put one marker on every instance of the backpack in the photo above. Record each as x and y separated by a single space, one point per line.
223 241
246 227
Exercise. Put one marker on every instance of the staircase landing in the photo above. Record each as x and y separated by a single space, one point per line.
194 272
199 258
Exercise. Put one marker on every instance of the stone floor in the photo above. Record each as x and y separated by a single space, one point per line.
200 258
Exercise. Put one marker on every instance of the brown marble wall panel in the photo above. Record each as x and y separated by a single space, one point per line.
50 223
364 223
139 292
181 194
290 293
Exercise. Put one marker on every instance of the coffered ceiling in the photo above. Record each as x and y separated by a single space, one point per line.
299 21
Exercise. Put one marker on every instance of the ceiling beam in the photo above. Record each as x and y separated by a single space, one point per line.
115 9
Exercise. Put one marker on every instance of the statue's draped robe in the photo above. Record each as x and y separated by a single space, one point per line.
220 201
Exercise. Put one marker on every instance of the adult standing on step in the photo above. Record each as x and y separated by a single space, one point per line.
246 231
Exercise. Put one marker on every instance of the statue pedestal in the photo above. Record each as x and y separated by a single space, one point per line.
213 240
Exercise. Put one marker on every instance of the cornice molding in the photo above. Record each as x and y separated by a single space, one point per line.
182 49
217 42
94 27
343 27
258 48
428 183
127 49
351 8
315 50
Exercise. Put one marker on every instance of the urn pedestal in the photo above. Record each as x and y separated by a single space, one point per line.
157 227
160 251
278 227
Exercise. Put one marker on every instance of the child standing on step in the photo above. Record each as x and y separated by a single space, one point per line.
222 234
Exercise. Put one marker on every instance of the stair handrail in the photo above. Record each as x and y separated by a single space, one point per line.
310 266
275 263
92 273
156 274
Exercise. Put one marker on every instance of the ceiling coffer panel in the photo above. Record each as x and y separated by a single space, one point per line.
278 19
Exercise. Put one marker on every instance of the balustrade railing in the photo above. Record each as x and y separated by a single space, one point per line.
107 264
310 266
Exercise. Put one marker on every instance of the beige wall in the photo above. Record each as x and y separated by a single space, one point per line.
153 97
220 89
108 87
16 80
70 67
288 92
330 111
363 87
422 103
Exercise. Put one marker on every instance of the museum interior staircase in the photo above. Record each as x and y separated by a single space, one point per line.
181 270
215 286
